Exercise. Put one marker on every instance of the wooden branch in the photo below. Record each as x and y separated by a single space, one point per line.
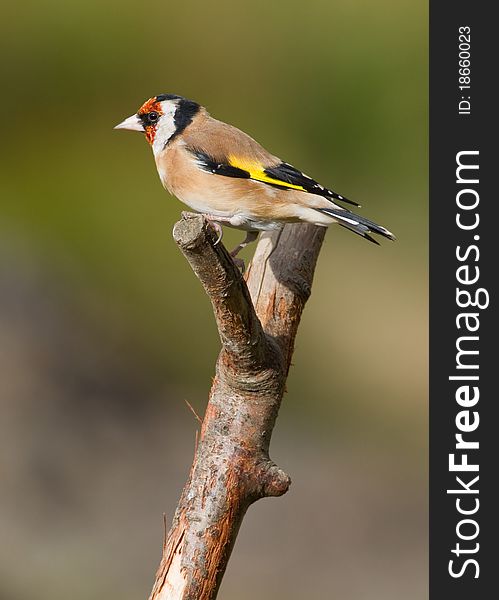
257 321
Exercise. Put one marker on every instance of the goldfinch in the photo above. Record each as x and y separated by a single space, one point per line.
223 173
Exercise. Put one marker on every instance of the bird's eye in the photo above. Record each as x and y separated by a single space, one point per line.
152 117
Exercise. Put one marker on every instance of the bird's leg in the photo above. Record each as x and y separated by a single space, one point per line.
250 237
239 262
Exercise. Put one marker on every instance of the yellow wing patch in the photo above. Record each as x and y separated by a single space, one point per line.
257 172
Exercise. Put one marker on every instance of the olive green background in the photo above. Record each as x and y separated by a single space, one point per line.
104 331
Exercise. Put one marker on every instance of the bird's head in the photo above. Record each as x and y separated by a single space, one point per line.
162 118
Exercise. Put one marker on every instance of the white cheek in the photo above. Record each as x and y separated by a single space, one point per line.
165 129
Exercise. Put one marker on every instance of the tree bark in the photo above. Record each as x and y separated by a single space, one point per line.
257 318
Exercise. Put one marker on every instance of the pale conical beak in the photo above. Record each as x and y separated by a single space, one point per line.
133 123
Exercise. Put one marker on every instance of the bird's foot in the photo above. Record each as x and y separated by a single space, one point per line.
215 223
187 214
218 230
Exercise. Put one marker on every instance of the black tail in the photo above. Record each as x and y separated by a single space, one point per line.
359 225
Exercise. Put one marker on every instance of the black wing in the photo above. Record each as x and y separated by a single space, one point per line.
288 174
283 176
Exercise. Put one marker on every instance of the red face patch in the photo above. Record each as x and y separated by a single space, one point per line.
148 107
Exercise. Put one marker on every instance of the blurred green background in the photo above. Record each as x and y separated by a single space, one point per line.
104 331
